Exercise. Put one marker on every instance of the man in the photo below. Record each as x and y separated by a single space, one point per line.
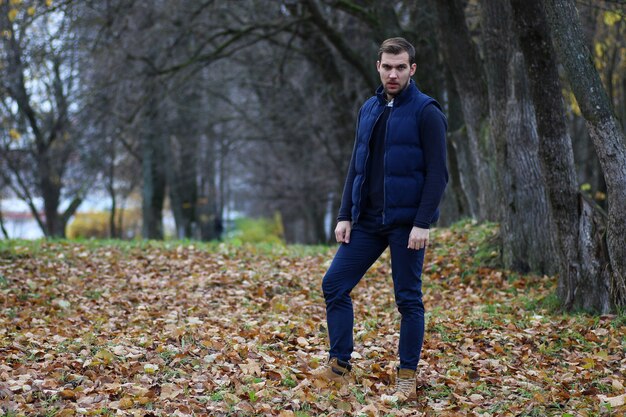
395 182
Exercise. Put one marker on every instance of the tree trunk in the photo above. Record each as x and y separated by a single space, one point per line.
4 230
462 187
153 191
527 244
462 58
50 150
532 241
209 219
592 290
180 166
111 189
582 280
50 193
604 130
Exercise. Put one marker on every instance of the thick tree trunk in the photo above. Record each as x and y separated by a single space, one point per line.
582 279
50 193
173 178
531 243
208 215
592 290
525 217
462 190
153 191
180 168
462 58
453 204
604 130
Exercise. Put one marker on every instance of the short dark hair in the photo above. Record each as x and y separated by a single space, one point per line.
396 46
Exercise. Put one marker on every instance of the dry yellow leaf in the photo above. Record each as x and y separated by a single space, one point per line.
150 368
143 400
12 15
126 403
15 135
105 356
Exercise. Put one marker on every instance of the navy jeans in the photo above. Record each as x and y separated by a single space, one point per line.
368 240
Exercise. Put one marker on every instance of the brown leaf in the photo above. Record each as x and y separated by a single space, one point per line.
170 391
67 394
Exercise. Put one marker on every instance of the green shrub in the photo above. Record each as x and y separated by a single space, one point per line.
259 230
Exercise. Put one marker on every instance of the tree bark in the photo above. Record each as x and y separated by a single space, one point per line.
583 281
604 130
154 180
208 215
181 173
463 61
527 242
4 230
110 186
462 187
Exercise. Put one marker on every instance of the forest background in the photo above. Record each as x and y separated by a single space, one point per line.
208 109
204 108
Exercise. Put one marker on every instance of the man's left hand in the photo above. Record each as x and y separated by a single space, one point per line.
418 239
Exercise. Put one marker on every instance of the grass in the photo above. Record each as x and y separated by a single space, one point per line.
507 325
16 248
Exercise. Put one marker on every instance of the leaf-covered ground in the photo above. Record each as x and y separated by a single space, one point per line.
158 330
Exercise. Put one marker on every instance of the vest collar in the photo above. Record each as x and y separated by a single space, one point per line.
404 95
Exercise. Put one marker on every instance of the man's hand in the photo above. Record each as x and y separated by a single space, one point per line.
342 231
418 239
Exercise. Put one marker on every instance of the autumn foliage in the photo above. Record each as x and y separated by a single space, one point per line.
157 330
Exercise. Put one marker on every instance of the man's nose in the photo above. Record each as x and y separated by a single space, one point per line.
393 74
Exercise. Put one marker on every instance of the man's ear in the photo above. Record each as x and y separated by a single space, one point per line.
413 69
377 65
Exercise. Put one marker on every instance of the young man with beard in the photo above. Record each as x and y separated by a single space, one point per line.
395 182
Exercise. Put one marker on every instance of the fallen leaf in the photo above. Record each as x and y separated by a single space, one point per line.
615 402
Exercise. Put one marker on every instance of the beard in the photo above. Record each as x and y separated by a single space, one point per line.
396 89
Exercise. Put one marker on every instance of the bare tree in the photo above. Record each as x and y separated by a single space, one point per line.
461 55
38 88
525 217
502 141
604 130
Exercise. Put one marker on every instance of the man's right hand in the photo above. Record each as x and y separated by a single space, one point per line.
342 231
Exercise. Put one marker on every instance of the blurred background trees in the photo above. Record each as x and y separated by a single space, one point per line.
203 109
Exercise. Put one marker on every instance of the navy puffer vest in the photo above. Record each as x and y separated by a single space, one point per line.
403 161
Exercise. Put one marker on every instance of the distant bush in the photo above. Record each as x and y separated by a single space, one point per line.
95 224
259 230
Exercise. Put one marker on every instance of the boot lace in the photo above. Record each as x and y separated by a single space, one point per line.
404 386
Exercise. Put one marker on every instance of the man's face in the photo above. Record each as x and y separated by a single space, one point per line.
395 72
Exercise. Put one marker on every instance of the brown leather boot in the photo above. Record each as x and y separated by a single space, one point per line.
406 386
333 372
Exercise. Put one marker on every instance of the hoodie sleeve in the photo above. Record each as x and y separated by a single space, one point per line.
433 136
